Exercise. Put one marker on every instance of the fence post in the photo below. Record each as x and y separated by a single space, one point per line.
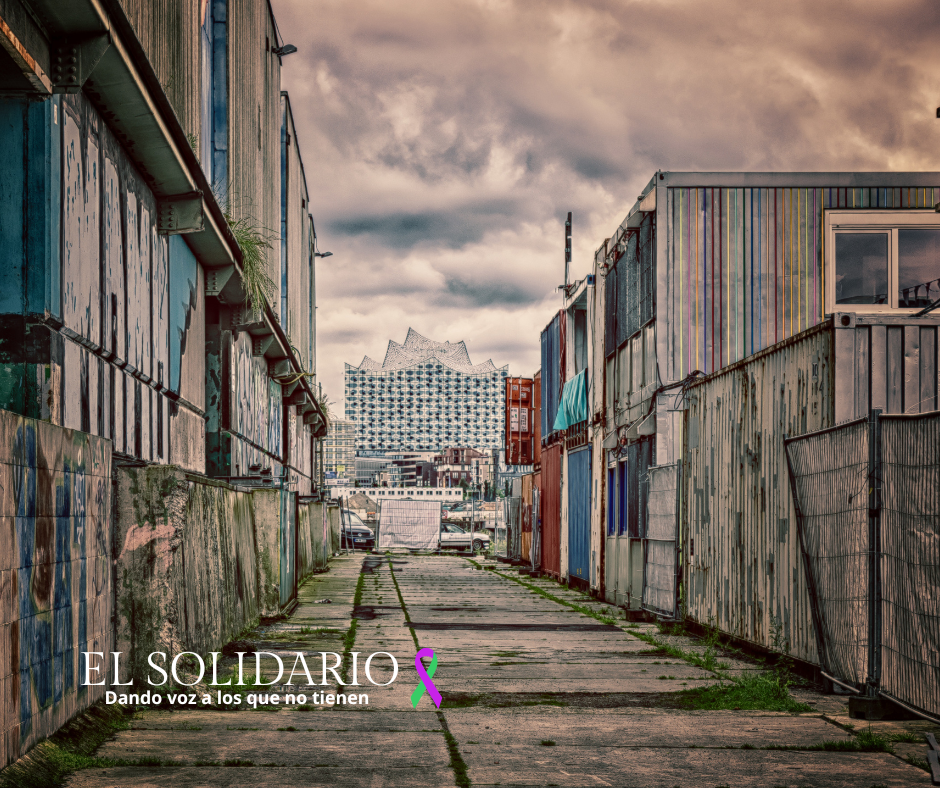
807 565
874 552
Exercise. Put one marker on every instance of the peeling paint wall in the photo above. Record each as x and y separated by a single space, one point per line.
98 323
743 570
55 579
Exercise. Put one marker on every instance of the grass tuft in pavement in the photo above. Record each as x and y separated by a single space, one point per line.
768 691
761 691
457 763
349 639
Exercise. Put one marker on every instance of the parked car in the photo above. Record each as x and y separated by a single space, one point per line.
456 536
355 533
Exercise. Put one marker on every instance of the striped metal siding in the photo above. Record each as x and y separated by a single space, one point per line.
551 510
630 290
579 514
168 31
745 266
253 189
739 542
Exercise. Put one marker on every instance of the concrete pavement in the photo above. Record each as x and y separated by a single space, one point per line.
535 693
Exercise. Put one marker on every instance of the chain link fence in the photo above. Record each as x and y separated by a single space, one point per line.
910 560
867 498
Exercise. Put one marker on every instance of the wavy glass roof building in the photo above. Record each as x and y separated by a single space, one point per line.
425 396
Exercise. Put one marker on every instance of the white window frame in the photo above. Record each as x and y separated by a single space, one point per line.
873 221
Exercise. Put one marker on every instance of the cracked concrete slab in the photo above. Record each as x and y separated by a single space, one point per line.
537 693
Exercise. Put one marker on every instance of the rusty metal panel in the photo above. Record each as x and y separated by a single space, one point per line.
519 421
742 563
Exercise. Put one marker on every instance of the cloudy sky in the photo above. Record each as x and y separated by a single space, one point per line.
444 140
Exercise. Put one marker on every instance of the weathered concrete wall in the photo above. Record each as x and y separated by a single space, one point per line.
312 541
55 583
267 506
187 570
335 523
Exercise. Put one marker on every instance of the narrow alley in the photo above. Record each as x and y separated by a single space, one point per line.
541 685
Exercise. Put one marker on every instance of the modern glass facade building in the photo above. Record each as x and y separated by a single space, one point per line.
425 396
339 449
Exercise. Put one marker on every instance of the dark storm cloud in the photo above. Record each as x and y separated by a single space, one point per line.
469 294
444 141
453 228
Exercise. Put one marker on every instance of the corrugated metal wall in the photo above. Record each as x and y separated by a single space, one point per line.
168 31
630 299
745 266
551 510
743 571
579 514
254 116
743 568
553 375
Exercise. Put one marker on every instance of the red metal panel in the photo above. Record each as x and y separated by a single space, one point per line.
551 510
537 418
519 416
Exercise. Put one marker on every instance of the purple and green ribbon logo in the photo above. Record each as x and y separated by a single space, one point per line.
425 675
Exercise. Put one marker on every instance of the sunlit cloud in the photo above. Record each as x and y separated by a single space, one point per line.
445 141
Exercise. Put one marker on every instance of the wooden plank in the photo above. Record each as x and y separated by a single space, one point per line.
934 760
862 370
928 370
879 367
911 369
845 374
895 369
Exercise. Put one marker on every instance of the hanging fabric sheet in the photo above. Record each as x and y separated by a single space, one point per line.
573 406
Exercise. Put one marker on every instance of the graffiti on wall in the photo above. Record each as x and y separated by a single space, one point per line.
56 582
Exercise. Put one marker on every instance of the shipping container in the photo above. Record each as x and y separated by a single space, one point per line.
579 516
551 510
709 269
553 371
519 430
743 569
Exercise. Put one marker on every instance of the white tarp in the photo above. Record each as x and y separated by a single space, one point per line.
412 525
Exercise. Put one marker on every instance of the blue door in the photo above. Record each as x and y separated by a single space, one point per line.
579 514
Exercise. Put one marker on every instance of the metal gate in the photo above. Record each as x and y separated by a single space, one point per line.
579 514
661 553
288 546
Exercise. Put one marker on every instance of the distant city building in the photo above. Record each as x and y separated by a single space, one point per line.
424 396
339 450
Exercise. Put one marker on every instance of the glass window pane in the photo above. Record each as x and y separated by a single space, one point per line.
918 267
861 268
